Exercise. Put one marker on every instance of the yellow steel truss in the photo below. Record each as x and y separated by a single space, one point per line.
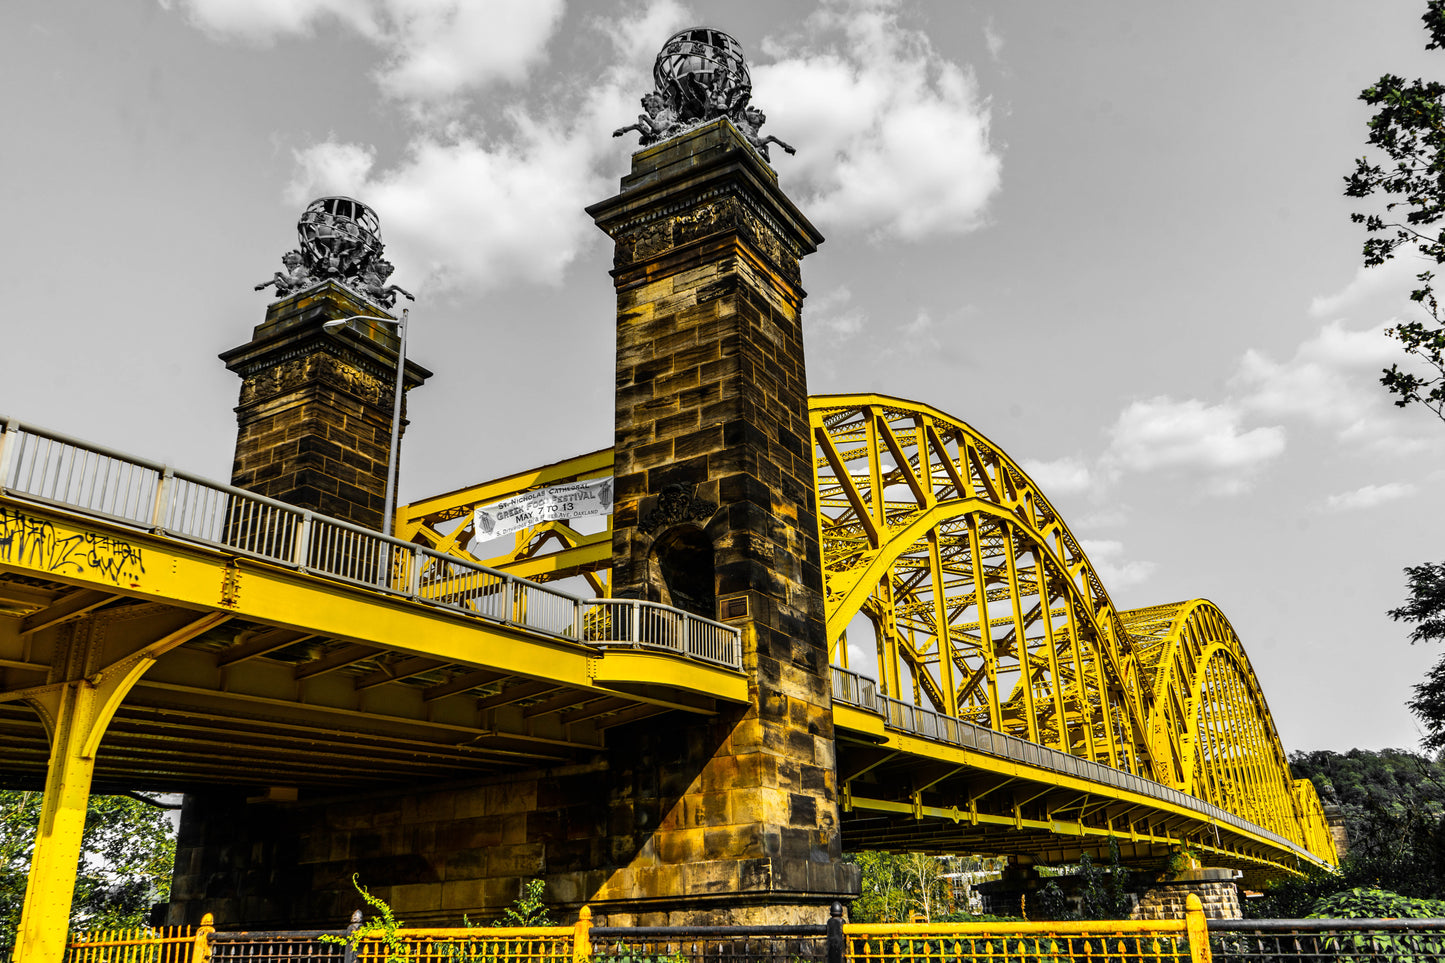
542 553
984 607
981 601
1211 728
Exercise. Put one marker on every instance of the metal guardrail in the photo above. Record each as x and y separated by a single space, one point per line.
1158 941
1192 939
166 944
637 624
797 943
50 468
281 946
1122 941
1325 941
862 692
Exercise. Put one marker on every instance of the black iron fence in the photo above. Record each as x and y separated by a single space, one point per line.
1164 941
704 944
1327 941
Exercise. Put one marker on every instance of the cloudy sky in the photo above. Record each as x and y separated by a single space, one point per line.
1110 236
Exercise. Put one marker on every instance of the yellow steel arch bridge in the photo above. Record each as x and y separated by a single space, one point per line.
988 695
1006 704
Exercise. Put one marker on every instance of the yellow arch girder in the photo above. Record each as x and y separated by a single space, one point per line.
966 544
1208 709
896 480
977 590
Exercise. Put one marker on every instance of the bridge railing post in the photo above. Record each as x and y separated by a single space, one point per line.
165 491
635 611
413 581
9 439
508 607
301 547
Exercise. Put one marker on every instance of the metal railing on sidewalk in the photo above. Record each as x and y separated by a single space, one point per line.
859 691
48 468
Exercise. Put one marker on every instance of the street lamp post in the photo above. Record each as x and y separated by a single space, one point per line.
334 327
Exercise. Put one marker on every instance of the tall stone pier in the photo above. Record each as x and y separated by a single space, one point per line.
315 412
675 819
716 514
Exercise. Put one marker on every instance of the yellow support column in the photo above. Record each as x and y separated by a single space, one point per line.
76 707
69 712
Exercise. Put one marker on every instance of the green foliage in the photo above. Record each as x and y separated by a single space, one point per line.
1404 175
128 850
383 925
527 909
1404 947
1369 904
1365 783
895 886
629 954
1394 808
1425 609
1102 895
1293 899
1050 903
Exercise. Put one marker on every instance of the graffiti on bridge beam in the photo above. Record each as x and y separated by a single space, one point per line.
34 543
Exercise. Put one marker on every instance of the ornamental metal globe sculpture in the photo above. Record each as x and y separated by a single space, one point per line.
338 235
339 239
700 75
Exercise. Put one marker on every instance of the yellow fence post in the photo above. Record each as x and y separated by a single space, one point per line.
1196 930
201 948
581 936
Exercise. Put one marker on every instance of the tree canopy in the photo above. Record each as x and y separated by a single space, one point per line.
127 852
1425 610
1404 175
1394 807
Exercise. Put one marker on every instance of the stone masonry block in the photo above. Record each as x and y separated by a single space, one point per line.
416 897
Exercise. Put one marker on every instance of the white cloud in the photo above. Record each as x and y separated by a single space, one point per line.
638 38
1062 476
1116 574
893 137
436 49
921 324
475 209
834 316
994 39
468 213
266 21
443 47
1332 381
1111 517
1368 497
1162 434
1373 292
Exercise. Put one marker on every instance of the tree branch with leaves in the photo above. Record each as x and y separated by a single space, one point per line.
1408 181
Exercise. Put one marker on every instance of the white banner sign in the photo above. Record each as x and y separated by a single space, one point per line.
572 500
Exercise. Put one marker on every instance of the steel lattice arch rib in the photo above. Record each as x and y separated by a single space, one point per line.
983 607
951 580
